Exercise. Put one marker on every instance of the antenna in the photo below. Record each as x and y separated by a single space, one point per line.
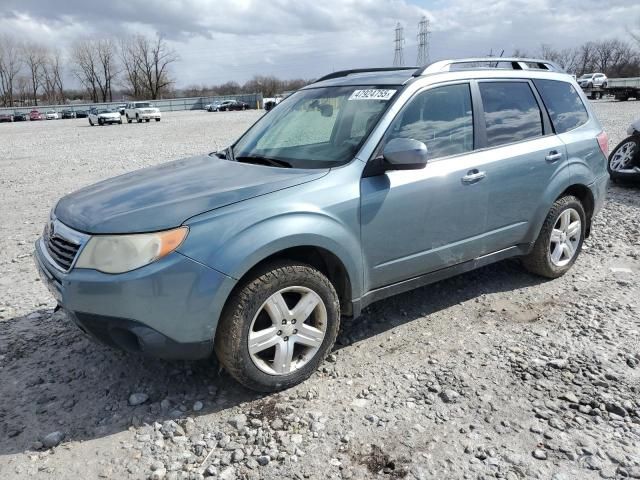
398 58
423 41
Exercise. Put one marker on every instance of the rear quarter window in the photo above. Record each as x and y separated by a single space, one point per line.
563 104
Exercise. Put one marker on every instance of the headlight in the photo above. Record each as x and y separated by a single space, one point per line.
122 253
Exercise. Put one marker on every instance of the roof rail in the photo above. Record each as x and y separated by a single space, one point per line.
344 73
516 64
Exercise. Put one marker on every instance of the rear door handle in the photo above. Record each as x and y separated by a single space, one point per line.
553 156
473 176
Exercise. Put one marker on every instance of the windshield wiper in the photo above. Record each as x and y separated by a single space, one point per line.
258 160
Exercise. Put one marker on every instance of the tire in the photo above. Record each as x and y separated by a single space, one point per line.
247 308
625 156
90 122
539 260
120 122
147 120
100 122
128 119
157 119
138 119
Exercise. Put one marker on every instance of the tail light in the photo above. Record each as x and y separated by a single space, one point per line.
603 141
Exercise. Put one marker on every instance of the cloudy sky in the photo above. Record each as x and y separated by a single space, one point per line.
220 40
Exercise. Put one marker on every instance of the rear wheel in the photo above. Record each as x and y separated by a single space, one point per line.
90 122
560 240
278 327
138 119
157 119
100 122
128 119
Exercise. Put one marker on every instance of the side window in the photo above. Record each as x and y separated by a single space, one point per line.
563 104
441 118
511 112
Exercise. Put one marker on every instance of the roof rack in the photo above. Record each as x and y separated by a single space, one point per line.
515 63
344 73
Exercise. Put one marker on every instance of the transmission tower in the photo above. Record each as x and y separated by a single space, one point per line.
423 42
398 58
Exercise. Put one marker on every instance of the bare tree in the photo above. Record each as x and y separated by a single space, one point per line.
33 57
154 58
86 66
106 53
567 58
51 77
10 65
132 80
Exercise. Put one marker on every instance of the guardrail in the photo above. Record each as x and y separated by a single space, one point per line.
165 105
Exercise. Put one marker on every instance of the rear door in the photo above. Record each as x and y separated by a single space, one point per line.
526 157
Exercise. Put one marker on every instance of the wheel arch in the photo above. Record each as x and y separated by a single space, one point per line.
585 195
321 258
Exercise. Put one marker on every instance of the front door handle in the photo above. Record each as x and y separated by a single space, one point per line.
473 176
553 156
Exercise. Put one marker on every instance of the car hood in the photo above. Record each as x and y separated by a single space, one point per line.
164 196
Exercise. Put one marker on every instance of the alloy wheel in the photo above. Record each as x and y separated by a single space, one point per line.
565 237
287 331
623 157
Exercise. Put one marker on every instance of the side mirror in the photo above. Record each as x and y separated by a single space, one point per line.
405 154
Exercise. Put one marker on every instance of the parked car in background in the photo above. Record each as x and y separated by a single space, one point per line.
66 114
51 115
212 107
121 108
20 116
35 115
102 116
256 251
624 161
229 105
142 111
591 80
6 116
82 113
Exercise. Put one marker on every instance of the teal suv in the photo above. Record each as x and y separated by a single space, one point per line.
362 185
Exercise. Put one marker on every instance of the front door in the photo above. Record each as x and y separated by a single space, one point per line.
417 221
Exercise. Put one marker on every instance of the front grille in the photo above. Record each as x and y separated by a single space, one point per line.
61 250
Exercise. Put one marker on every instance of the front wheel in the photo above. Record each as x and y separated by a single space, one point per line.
138 119
100 122
560 240
128 119
157 119
278 327
90 122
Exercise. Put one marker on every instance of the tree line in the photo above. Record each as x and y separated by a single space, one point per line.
615 58
137 66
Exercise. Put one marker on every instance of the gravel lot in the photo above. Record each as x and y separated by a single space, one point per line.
493 374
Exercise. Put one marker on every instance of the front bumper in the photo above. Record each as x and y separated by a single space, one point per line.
168 309
145 116
109 120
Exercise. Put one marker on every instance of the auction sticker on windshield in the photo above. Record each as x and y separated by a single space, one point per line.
372 94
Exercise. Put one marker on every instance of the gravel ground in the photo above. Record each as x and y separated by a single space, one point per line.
493 374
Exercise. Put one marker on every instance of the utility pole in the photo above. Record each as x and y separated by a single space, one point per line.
398 58
423 41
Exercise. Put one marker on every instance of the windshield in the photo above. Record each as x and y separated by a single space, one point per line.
316 128
143 105
106 110
587 75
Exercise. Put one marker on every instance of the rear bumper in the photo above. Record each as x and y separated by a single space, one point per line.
168 309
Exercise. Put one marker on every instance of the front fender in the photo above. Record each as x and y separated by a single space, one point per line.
221 245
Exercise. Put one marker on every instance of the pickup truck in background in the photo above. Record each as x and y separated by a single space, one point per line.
140 111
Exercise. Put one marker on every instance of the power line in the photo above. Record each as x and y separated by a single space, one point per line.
423 41
398 57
